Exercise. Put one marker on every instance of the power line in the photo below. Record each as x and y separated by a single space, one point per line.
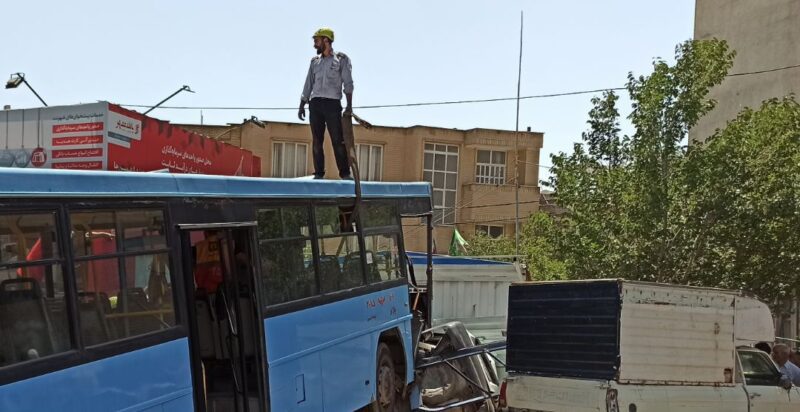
386 106
537 164
496 204
468 205
446 102
777 69
509 219
464 204
450 211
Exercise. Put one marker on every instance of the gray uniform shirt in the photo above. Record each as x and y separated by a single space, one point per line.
327 76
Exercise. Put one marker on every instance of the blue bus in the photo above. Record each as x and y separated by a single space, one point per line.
162 292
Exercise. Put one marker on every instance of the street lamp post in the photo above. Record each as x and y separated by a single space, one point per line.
18 78
182 89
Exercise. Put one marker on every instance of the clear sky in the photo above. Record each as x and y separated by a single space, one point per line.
256 54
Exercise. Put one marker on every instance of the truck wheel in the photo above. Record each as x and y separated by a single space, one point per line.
387 383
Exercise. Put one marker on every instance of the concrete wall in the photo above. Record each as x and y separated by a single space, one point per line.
403 150
765 35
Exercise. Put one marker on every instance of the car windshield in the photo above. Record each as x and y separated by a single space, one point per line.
758 369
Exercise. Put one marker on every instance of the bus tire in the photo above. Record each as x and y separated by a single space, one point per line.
388 397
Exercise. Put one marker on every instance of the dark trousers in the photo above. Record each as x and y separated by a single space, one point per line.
328 112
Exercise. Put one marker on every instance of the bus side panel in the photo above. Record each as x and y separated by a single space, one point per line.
348 374
184 403
343 335
138 380
296 385
408 347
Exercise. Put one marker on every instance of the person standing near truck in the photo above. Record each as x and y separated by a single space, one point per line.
780 354
328 74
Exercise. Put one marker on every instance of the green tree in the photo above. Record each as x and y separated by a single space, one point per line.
536 247
482 245
744 203
646 207
539 246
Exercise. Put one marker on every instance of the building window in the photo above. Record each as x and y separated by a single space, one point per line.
493 232
289 159
441 169
490 167
370 161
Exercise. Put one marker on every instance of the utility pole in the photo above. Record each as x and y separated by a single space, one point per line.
516 142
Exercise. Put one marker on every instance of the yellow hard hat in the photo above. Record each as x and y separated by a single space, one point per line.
324 32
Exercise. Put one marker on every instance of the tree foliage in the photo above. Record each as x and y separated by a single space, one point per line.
724 213
744 204
536 247
647 206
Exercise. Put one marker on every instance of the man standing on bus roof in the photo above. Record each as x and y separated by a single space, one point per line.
328 75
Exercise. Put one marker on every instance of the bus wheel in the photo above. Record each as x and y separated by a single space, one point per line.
387 395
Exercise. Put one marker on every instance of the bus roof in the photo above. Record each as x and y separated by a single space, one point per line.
15 182
420 258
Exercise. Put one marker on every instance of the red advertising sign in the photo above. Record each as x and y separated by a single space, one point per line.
77 153
160 145
78 127
94 165
103 136
38 157
77 140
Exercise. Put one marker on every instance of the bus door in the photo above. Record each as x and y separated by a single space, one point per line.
226 334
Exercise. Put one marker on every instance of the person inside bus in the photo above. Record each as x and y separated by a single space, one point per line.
208 266
159 290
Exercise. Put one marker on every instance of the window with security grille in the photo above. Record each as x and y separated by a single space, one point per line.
441 169
490 167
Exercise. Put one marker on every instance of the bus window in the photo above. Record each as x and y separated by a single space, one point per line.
33 315
383 258
379 214
93 233
339 252
334 220
124 286
27 237
286 256
340 263
142 230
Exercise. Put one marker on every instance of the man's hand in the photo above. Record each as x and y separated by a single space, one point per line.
349 110
301 112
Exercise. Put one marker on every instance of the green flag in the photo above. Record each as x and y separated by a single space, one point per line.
458 246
